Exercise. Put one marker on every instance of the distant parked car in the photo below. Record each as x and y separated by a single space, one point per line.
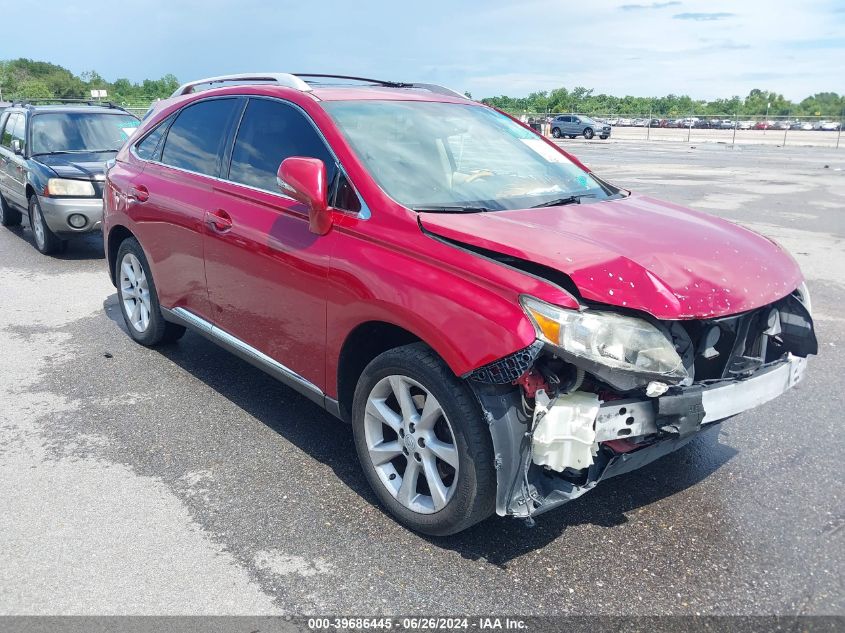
745 125
781 125
639 122
625 122
806 126
728 124
830 126
572 125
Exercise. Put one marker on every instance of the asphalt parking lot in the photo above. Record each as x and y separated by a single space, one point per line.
185 481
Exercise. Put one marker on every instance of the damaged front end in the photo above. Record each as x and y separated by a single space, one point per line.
601 393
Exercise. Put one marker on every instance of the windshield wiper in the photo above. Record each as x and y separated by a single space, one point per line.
75 151
559 202
450 209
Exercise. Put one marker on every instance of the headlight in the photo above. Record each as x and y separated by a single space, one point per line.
64 187
619 342
804 296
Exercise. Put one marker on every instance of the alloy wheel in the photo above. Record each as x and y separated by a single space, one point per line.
411 444
135 292
38 227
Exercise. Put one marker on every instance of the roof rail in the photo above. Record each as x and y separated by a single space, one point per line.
283 79
296 81
380 82
47 101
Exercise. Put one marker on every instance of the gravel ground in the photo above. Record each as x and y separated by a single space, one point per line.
183 481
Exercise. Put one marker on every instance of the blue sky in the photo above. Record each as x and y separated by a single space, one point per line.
705 48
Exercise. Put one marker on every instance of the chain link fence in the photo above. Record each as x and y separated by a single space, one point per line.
730 129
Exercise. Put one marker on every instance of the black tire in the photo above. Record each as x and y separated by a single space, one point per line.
8 215
604 138
588 133
45 240
571 135
474 495
157 331
556 132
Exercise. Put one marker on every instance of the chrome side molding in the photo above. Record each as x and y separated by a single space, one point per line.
251 355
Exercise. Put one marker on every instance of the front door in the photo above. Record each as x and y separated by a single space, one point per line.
267 273
14 165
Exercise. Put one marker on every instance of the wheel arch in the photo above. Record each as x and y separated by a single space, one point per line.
362 344
117 234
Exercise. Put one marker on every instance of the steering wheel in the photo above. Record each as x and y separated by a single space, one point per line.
478 174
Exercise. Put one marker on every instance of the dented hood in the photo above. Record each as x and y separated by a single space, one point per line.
637 252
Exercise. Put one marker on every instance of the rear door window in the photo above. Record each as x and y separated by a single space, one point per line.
196 139
270 132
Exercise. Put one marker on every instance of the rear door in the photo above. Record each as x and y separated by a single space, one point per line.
169 197
267 273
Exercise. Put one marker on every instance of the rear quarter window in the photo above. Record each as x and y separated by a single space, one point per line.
150 147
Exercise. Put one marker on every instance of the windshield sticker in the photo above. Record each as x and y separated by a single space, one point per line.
549 153
128 127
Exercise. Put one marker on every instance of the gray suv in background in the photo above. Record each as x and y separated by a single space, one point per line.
52 166
573 125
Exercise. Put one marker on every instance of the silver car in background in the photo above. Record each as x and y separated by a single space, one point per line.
573 125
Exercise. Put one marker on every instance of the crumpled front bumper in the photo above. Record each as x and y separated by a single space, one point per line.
654 426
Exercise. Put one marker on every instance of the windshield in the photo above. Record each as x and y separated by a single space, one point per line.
80 131
445 156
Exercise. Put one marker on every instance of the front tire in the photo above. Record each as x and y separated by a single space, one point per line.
588 133
138 299
8 215
46 241
422 442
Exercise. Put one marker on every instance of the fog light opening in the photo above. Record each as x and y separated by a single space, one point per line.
77 220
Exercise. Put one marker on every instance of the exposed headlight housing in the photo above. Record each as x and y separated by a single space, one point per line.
804 296
609 340
67 187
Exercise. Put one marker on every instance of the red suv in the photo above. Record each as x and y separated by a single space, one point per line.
502 328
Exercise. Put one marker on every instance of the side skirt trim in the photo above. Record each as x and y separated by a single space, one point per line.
251 355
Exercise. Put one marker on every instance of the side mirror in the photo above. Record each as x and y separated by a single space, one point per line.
16 147
304 180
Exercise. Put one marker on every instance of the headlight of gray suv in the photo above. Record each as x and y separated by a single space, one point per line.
66 187
619 342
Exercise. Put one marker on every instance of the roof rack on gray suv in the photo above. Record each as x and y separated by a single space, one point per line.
24 103
291 80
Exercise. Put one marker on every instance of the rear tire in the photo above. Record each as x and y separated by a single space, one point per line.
556 132
429 462
8 215
46 241
588 133
138 299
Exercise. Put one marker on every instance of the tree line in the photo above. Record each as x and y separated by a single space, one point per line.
580 99
29 79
